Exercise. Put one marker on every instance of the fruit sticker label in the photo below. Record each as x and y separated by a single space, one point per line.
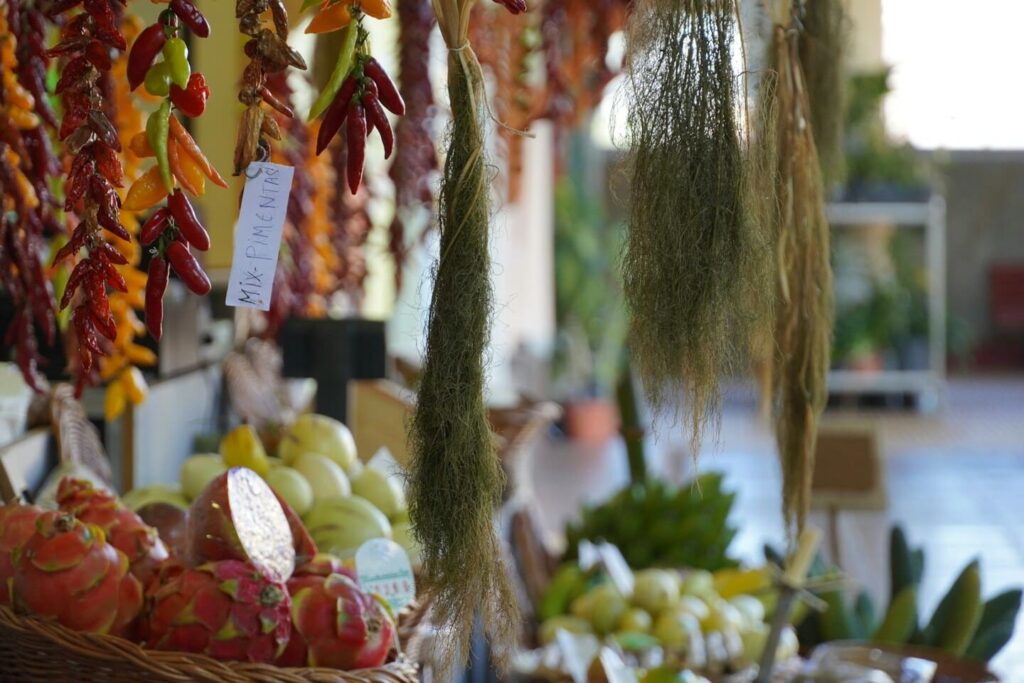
382 567
258 234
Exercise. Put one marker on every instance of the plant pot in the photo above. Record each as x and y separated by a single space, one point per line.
867 362
591 421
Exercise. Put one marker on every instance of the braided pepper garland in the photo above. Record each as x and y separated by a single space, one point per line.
88 42
358 90
269 53
26 162
181 167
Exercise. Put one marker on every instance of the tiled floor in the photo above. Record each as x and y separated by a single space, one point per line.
955 481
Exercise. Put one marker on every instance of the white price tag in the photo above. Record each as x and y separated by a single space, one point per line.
382 567
615 670
258 234
588 555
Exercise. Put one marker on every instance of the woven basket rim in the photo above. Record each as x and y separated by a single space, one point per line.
182 666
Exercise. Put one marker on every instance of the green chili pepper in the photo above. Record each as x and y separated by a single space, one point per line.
340 73
158 80
158 128
176 57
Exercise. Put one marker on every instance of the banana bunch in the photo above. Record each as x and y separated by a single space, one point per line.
657 525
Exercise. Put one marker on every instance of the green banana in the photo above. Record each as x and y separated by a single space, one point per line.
836 622
567 584
900 619
995 629
901 563
863 616
956 618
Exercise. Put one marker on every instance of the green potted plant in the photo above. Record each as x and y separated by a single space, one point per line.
590 315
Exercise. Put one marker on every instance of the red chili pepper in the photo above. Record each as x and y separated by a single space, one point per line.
108 164
186 220
61 6
277 104
74 72
81 270
77 241
99 305
82 169
191 100
111 254
104 129
74 117
144 51
191 17
86 332
99 54
513 6
355 133
110 223
335 114
377 118
389 95
106 23
155 226
188 269
112 277
156 285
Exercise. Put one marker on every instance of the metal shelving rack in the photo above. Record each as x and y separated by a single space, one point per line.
927 385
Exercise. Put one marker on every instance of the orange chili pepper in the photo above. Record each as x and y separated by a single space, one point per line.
189 146
139 145
187 172
330 18
134 385
140 355
378 9
109 367
22 119
146 191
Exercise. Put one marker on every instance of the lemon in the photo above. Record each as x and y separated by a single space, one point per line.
241 447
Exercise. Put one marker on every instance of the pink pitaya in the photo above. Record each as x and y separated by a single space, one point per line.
237 517
17 524
124 529
324 564
229 610
305 546
68 571
335 624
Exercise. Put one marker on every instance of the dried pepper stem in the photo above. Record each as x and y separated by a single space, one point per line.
456 479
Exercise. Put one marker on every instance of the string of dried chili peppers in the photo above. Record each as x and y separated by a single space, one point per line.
181 167
120 369
24 205
413 170
269 53
89 41
358 90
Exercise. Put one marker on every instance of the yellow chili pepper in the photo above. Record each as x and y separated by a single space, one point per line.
139 355
114 401
22 119
134 385
110 366
330 18
146 191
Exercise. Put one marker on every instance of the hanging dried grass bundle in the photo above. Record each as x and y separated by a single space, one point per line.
456 479
822 50
803 329
694 267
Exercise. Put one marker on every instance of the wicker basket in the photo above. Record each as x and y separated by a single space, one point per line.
34 649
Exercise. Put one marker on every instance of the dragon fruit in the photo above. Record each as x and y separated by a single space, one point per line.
67 571
305 547
237 517
335 624
229 610
125 530
324 564
17 524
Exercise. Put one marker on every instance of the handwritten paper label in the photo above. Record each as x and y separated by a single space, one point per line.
382 567
258 234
